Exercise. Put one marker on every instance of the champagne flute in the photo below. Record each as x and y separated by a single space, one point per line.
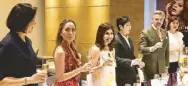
45 68
110 56
180 59
140 57
89 55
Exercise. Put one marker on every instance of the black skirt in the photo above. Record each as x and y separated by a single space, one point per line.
173 67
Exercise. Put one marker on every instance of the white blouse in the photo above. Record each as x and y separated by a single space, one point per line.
175 43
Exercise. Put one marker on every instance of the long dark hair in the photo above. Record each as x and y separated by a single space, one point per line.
100 33
171 6
185 12
59 38
181 15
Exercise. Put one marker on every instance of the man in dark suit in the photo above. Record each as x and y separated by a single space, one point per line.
154 45
124 52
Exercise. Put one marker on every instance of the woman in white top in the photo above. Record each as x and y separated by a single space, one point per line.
103 57
175 44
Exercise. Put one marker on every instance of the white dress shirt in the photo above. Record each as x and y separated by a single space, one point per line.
127 40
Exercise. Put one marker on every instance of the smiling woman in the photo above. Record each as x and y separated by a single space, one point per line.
103 57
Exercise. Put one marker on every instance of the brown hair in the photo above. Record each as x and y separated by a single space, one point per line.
100 34
172 20
59 38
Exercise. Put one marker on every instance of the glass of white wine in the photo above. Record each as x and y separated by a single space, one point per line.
45 68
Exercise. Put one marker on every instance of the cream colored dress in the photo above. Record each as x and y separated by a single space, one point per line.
104 76
175 43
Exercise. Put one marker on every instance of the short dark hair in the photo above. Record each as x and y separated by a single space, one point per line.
122 21
100 33
19 17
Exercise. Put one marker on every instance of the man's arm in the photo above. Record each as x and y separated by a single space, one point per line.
123 61
143 44
119 60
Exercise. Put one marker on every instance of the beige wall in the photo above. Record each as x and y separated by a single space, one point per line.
5 8
88 14
37 36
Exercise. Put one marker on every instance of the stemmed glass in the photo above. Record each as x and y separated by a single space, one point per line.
181 65
45 68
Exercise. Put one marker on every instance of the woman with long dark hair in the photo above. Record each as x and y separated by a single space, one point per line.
175 49
175 44
103 57
67 61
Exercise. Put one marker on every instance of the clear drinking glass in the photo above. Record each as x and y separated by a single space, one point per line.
45 68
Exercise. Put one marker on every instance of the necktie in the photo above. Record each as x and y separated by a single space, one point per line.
159 34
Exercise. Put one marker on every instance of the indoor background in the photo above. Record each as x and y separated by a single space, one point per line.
87 14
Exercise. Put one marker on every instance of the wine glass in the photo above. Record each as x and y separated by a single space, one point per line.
127 85
111 56
91 61
45 68
185 50
157 76
109 59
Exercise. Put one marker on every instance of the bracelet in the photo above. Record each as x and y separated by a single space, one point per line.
25 80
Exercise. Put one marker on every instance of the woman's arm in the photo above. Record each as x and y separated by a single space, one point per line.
95 55
95 59
35 78
10 81
59 60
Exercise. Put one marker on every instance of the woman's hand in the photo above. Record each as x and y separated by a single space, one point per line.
86 67
108 62
167 10
38 77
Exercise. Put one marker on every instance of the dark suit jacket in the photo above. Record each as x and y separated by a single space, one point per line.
124 72
17 58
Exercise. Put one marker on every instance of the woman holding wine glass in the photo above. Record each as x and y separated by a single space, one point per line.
67 61
175 49
17 57
103 57
175 44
